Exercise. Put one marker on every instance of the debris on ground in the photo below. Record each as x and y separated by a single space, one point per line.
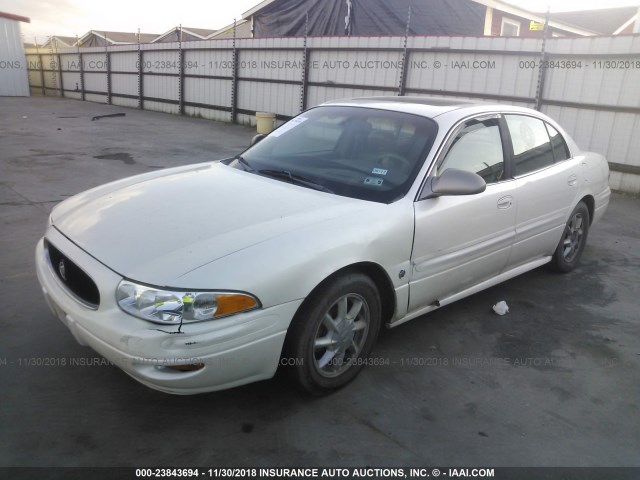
501 308
98 117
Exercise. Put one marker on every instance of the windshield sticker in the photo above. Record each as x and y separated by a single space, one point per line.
375 181
288 126
379 171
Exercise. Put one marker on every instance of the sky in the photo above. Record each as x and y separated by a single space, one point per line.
76 17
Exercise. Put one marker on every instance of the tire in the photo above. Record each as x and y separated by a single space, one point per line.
574 238
333 333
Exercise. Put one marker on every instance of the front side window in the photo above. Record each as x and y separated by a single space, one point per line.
531 146
357 152
477 148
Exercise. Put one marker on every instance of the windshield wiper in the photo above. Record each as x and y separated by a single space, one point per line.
244 163
295 178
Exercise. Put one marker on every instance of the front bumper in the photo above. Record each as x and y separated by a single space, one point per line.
234 351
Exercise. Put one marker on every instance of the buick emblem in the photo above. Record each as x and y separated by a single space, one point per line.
63 270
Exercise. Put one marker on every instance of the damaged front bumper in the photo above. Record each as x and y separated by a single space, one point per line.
195 358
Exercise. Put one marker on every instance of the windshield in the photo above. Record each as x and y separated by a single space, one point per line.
356 152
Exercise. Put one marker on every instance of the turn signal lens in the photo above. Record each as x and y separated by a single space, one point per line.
228 304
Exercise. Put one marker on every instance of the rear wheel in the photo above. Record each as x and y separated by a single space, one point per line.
574 238
333 333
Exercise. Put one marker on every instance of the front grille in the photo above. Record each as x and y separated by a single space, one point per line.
73 277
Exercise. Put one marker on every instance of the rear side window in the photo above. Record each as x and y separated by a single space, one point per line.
531 145
560 149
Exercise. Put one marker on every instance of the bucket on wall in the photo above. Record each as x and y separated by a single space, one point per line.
265 122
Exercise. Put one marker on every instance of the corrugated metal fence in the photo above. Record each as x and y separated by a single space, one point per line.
590 85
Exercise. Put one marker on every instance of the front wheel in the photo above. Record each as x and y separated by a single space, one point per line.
333 333
574 238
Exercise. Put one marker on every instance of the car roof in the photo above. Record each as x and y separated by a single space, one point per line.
426 106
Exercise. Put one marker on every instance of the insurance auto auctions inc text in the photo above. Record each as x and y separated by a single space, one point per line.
373 472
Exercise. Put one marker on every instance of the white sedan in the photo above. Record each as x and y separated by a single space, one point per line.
352 215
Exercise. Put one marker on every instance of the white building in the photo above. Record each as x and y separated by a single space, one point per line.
14 81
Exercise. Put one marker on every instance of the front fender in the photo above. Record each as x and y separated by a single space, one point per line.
289 267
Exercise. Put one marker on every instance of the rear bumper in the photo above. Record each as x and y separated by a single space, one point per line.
236 350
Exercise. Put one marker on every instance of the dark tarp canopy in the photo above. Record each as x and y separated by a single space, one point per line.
369 17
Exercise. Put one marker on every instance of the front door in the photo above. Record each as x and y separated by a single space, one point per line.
460 241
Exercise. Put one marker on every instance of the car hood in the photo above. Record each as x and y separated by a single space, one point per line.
161 228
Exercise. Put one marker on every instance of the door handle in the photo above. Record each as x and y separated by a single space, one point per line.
505 202
572 180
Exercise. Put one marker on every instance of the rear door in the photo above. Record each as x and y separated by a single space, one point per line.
548 181
462 240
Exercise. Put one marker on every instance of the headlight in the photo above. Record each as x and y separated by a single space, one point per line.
176 307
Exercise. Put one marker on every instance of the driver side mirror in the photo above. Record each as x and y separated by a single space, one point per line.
257 138
454 182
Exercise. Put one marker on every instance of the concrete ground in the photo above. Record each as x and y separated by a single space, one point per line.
555 382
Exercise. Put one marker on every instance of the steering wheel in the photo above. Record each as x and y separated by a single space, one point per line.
497 173
394 161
